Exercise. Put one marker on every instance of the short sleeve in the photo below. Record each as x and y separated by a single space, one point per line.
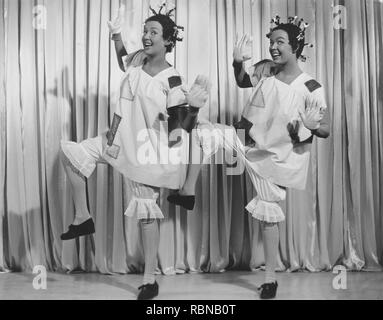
262 69
316 94
134 59
176 95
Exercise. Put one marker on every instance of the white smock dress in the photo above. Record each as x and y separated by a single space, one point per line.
277 158
137 145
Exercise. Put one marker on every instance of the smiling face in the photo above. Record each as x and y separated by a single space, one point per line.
280 48
152 39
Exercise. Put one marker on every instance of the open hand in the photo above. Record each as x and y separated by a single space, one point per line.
199 92
115 26
312 116
242 49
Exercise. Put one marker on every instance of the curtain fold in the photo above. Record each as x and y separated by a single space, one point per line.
3 134
60 82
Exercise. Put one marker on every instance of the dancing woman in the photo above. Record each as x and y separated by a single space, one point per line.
287 108
153 96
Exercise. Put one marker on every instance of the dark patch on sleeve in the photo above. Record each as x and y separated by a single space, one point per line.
174 81
246 82
113 129
312 85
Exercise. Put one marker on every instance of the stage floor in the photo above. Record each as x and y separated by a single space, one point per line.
231 285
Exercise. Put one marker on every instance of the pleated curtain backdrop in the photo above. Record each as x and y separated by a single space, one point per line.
60 81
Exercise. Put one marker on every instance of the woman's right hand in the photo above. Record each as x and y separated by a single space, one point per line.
115 26
242 49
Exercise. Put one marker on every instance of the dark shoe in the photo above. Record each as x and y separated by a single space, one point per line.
87 227
268 290
148 291
186 202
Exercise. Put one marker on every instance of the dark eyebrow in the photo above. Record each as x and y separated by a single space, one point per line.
151 28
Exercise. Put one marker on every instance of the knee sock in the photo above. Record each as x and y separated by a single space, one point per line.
77 181
194 167
150 239
270 246
188 189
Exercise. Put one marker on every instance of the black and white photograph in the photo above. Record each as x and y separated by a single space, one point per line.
204 151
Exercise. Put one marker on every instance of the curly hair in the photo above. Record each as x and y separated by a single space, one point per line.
293 32
169 29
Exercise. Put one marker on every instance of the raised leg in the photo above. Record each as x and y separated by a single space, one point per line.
83 223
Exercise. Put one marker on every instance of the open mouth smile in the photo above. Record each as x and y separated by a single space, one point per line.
275 54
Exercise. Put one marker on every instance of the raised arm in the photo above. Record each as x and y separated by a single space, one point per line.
115 28
241 76
242 53
120 49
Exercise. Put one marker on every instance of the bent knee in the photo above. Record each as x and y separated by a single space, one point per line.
68 164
